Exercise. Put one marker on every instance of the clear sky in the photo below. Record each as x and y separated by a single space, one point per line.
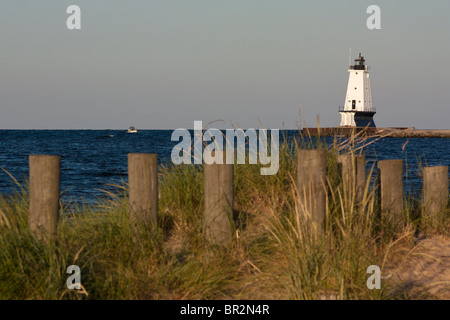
163 64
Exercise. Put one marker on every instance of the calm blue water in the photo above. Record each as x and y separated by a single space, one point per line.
90 159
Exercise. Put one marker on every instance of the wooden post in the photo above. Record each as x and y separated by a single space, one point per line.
143 187
391 189
219 197
360 177
44 195
348 170
311 184
353 170
435 189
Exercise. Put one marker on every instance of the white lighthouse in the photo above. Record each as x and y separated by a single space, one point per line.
358 110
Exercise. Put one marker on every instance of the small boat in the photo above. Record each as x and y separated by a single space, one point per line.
132 130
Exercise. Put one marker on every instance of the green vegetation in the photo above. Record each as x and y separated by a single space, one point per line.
273 256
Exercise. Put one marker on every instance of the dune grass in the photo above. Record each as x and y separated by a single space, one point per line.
274 255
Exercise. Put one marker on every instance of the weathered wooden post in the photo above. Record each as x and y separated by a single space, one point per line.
143 187
219 197
311 185
360 177
348 170
353 170
435 189
44 195
391 190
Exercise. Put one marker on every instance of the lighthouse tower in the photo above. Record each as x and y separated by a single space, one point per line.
358 110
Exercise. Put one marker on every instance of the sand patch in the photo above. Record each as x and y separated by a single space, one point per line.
423 272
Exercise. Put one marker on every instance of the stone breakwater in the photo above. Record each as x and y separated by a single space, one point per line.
388 132
414 133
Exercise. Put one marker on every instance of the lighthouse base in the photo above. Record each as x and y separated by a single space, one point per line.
357 119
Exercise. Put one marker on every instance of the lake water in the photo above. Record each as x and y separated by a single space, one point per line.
92 158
